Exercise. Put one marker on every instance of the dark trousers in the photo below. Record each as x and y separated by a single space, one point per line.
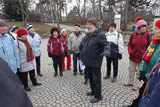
115 66
135 102
57 61
94 75
38 64
24 77
85 74
76 56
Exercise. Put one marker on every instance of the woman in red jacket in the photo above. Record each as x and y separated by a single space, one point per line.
138 43
64 36
56 48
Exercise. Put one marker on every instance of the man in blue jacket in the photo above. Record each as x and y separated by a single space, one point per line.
35 41
8 49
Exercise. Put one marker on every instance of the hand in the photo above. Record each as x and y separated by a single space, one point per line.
49 55
142 76
120 56
70 52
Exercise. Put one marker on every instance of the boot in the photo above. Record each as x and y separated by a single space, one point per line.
61 74
55 74
107 77
27 89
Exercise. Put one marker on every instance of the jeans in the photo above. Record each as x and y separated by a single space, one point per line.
38 64
115 66
94 75
76 56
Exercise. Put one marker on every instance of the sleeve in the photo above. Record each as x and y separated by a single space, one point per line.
16 53
121 44
102 40
64 45
129 46
70 42
49 46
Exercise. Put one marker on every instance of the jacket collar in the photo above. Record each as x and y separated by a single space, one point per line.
3 35
113 33
96 32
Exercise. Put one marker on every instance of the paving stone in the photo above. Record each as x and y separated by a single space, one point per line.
69 90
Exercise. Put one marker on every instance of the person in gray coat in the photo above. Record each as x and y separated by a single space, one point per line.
26 60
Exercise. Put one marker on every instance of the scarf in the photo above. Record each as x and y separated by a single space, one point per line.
29 53
151 48
64 36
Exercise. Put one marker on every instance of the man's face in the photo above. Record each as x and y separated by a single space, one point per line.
77 28
111 28
31 30
3 29
89 26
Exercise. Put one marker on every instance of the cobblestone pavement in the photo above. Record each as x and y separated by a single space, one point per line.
69 90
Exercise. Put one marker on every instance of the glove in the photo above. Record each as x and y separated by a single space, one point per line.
65 53
49 55
120 56
70 51
142 76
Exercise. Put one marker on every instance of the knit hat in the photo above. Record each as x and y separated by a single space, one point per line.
157 24
92 21
12 28
141 23
63 30
54 29
2 23
113 25
21 32
29 26
77 25
138 18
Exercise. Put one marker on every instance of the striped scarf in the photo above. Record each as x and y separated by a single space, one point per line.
151 48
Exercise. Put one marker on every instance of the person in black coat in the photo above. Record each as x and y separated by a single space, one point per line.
94 43
11 92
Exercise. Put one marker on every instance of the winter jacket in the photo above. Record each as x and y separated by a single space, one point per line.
55 46
35 42
24 65
93 48
152 95
146 67
137 46
74 42
117 39
9 52
12 93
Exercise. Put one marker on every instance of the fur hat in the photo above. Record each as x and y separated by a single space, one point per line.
113 25
141 23
2 23
21 32
54 29
63 30
12 28
157 24
92 21
138 18
29 26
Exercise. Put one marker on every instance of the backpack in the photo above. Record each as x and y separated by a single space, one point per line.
147 39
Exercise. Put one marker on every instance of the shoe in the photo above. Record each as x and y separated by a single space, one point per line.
135 88
90 94
55 74
114 79
85 82
95 100
37 84
81 73
27 89
75 73
127 106
107 77
39 74
128 84
69 68
61 74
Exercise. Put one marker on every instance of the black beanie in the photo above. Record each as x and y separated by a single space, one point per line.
113 25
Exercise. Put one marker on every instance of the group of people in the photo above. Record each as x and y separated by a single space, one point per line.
20 47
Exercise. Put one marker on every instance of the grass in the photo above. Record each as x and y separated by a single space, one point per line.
42 29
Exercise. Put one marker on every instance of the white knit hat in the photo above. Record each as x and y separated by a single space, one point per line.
63 30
